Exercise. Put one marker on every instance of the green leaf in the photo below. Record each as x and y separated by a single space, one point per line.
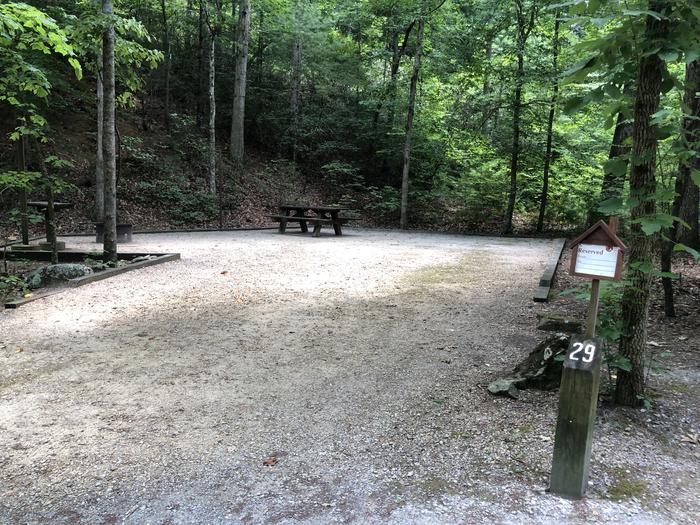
612 206
616 166
679 247
695 175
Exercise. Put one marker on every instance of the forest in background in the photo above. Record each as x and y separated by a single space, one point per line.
459 115
500 118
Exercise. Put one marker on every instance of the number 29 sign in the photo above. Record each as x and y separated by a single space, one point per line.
583 354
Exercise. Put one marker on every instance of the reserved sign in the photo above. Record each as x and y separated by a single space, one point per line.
594 259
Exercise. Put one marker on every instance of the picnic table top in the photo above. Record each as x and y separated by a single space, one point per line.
42 205
303 207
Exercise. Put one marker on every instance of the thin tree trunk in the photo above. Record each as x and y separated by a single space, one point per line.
22 166
239 88
409 124
486 91
99 158
550 125
211 181
297 61
168 58
200 63
260 58
109 141
685 203
635 301
397 54
688 197
524 29
666 267
50 211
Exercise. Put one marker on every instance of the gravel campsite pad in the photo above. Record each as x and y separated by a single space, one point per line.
287 379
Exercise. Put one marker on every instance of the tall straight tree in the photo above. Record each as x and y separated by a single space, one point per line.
688 196
214 26
109 139
297 63
550 123
99 158
168 57
239 87
635 301
685 203
409 123
525 21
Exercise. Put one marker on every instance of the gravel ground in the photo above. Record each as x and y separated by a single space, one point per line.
270 378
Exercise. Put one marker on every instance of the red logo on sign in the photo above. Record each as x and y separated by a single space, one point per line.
608 248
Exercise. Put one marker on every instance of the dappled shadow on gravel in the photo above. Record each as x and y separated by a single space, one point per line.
371 399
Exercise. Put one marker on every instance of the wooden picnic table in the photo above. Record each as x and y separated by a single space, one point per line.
317 215
49 211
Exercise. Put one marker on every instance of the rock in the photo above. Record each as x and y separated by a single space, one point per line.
541 369
56 274
142 258
556 323
505 387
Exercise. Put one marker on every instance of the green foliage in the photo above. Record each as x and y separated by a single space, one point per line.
97 264
184 204
12 285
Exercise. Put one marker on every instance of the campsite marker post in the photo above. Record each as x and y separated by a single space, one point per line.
597 254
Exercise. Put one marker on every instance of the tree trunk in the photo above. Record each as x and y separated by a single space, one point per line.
99 158
635 301
211 181
666 267
685 203
239 88
168 58
23 211
524 29
550 125
297 61
109 141
614 179
409 125
688 197
486 90
50 212
200 63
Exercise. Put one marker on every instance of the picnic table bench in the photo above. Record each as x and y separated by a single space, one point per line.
306 214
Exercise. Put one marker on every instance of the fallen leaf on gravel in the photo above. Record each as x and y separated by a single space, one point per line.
271 461
682 337
19 349
653 343
693 439
28 295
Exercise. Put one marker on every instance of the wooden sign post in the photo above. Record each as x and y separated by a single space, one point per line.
597 254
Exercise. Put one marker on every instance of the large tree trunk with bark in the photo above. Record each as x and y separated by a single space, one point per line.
635 301
550 125
409 124
239 88
109 141
524 28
